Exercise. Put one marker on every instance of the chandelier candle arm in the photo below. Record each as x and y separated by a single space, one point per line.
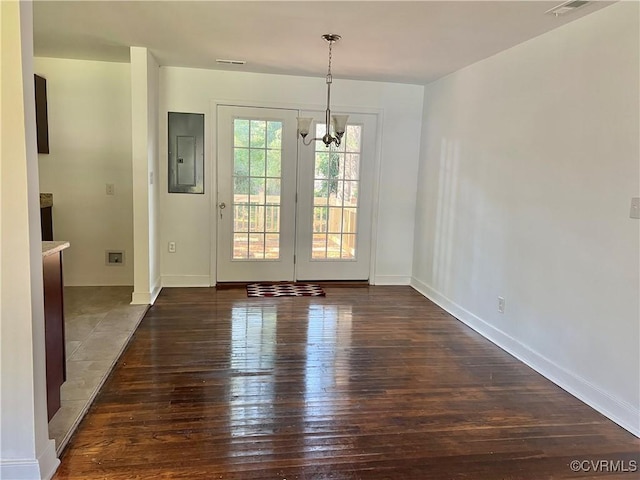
338 122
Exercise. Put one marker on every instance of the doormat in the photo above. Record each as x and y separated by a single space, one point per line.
284 290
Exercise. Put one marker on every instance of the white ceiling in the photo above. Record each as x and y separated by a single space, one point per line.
396 41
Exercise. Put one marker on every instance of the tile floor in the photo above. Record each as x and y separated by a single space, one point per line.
98 324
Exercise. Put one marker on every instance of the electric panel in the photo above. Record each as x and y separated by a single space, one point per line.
186 152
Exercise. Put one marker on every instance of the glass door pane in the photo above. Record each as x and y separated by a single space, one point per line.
257 153
335 196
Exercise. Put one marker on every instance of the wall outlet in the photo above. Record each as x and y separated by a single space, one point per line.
500 304
114 257
172 247
111 189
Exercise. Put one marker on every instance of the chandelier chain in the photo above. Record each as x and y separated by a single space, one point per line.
330 54
338 122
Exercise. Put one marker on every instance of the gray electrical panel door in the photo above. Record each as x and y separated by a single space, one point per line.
186 152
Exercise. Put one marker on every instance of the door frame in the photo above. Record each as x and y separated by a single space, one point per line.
212 165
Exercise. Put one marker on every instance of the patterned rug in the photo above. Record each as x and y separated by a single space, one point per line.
284 290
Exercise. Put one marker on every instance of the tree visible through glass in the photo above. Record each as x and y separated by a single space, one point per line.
257 154
335 196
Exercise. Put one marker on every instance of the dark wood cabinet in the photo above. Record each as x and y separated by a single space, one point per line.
42 115
46 223
54 329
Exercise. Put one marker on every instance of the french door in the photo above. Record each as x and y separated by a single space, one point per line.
257 150
335 203
286 211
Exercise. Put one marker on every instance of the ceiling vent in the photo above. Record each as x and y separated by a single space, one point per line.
230 62
566 7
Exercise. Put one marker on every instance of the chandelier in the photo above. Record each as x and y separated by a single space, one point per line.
339 122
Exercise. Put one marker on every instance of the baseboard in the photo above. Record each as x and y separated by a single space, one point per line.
32 469
147 298
48 461
186 281
620 412
100 283
141 298
155 291
392 280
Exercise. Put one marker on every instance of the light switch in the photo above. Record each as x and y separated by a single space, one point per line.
635 208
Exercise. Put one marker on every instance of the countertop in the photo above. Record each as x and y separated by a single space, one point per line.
49 248
46 200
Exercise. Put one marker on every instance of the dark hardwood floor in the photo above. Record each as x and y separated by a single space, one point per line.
367 383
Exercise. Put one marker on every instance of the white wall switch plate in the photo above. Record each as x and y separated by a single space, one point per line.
500 305
635 208
172 247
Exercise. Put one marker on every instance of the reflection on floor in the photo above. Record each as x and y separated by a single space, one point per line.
373 383
98 324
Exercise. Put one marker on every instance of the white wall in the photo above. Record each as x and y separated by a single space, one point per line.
89 107
529 160
153 107
144 135
25 449
186 219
